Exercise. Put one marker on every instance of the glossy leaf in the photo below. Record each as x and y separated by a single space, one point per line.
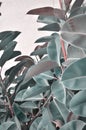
73 125
44 39
78 11
6 125
6 37
77 4
48 11
50 27
59 91
33 91
39 68
19 97
73 33
78 104
48 19
54 49
74 77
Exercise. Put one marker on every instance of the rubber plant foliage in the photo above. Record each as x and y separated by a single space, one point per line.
47 90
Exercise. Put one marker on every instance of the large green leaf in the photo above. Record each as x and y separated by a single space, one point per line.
59 91
6 125
73 33
6 37
50 27
8 52
29 105
34 91
54 48
39 68
74 76
47 19
19 97
73 125
40 52
63 110
48 11
78 104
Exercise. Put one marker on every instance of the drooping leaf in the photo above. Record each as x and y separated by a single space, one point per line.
59 91
48 11
6 37
54 49
48 19
34 91
39 68
78 104
50 27
73 125
15 53
73 33
19 113
6 55
74 77
77 4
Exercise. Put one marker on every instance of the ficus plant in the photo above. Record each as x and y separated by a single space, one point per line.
47 90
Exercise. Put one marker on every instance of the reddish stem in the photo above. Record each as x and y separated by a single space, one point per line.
63 49
60 3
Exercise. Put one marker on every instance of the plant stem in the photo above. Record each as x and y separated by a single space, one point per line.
63 49
60 4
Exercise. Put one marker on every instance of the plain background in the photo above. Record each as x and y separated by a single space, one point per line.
14 18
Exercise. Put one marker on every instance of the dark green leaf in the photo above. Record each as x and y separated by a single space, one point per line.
50 27
40 51
35 123
48 19
28 105
19 113
7 37
77 4
78 104
8 52
74 77
44 39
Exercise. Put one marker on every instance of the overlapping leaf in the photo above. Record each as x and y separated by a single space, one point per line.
74 77
73 33
78 104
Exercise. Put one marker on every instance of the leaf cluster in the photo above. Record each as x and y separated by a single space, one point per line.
46 90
